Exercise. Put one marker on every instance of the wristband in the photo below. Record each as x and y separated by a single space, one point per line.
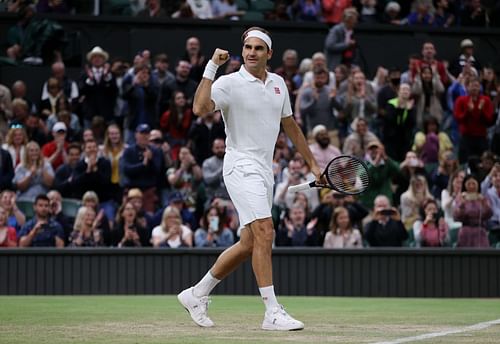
210 70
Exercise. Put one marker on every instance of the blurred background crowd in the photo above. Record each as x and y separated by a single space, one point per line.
116 157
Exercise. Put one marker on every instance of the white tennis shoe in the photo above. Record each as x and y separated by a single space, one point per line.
196 306
277 319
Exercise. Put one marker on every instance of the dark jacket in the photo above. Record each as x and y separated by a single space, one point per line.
393 233
141 103
100 97
6 170
137 175
98 181
65 182
398 130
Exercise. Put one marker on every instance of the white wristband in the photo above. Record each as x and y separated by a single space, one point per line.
210 70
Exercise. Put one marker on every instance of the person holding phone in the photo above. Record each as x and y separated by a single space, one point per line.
432 230
385 228
213 231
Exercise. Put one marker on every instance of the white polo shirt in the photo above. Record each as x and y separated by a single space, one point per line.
252 112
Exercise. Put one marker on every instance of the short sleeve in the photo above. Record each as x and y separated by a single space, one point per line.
21 173
48 167
286 110
221 93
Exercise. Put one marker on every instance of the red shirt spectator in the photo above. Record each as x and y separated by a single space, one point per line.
333 10
175 123
55 150
473 114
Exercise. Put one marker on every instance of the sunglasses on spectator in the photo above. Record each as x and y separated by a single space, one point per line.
16 126
157 140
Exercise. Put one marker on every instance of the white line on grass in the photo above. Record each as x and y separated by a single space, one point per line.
475 327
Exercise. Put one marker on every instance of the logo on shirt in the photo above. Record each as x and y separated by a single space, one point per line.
277 90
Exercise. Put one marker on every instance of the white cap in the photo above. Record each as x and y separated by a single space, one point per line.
318 129
392 6
466 43
59 126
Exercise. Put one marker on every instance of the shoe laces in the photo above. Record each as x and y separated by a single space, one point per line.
280 309
205 301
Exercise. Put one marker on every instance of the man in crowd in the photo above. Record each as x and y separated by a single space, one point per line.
55 151
212 172
386 228
322 150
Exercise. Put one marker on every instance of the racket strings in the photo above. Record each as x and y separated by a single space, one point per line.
348 175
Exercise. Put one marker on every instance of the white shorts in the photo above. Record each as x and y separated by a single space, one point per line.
250 193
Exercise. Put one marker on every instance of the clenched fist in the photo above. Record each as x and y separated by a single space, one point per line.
220 56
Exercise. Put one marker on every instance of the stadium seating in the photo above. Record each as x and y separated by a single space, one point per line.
70 207
26 207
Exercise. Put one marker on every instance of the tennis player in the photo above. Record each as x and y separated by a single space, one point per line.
253 103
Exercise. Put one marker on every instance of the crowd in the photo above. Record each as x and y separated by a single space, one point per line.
146 171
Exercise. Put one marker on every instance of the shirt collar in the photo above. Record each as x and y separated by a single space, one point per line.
249 77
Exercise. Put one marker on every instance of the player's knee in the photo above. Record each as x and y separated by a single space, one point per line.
263 230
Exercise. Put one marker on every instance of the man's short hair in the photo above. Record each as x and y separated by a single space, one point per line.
320 70
74 145
161 58
41 197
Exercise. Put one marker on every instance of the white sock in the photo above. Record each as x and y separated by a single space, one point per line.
205 285
269 297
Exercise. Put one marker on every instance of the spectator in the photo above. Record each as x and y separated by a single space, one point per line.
41 230
317 102
385 228
65 178
153 10
356 143
195 59
431 143
289 65
136 198
185 176
161 74
5 104
466 57
341 233
171 232
318 60
381 170
322 150
429 59
8 236
490 188
490 85
203 133
226 9
473 210
98 87
142 165
432 229
55 151
459 86
112 150
175 123
94 173
35 128
340 45
141 95
183 83
33 176
202 9
474 114
333 10
473 14
105 224
294 231
128 231
16 143
420 15
179 201
449 196
413 199
68 86
392 14
213 231
20 91
183 11
15 217
47 106
16 35
86 233
443 16
56 214
428 89
71 120
448 165
399 123
212 172
409 167
233 65
360 100
388 91
306 10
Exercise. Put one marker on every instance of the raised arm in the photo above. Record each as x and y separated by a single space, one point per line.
203 102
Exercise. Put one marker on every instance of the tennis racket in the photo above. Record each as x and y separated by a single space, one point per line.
345 174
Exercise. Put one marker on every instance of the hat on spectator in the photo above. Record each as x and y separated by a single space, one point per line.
97 51
134 193
143 128
318 129
392 6
59 126
466 43
176 197
374 143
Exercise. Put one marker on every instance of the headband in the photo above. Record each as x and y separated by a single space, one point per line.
261 35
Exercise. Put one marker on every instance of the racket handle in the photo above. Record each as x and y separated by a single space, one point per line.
300 187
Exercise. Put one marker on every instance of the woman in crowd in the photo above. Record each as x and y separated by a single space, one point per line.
171 232
473 210
213 231
295 231
47 107
175 122
15 217
15 143
8 237
113 149
428 89
450 194
431 143
34 175
413 199
185 176
86 232
91 200
432 229
411 166
128 231
341 233
448 164
360 100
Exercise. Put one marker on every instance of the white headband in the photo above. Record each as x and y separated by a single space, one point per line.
261 35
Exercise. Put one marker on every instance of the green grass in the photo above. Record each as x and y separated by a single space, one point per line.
160 319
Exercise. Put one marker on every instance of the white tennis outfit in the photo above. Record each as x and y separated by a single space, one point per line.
252 112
